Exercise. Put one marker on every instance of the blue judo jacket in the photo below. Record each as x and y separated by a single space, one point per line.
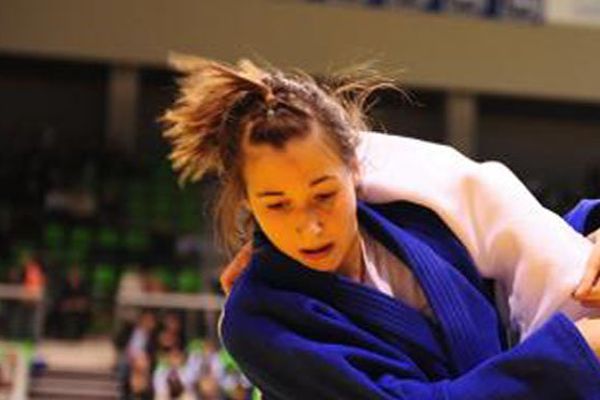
304 334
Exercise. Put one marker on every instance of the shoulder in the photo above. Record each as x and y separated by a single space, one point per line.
380 148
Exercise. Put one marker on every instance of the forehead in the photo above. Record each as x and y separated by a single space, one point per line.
296 165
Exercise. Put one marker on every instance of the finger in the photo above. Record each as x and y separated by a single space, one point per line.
588 280
242 258
235 267
590 304
590 300
591 275
226 284
594 264
229 275
594 236
593 295
594 292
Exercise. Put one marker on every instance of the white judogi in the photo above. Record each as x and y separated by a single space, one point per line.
535 257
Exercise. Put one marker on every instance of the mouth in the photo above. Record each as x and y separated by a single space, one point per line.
317 252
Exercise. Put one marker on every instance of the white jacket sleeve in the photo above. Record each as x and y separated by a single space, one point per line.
535 256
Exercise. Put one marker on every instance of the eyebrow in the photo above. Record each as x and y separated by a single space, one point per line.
314 182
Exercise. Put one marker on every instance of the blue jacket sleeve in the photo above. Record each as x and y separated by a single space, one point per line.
585 216
555 362
324 356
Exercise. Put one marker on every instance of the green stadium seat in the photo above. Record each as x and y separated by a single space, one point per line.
165 275
136 240
189 281
104 280
81 237
108 238
54 236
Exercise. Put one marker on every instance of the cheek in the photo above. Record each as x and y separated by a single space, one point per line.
342 219
276 228
346 206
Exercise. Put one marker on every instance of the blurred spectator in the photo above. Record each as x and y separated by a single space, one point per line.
172 323
166 341
132 282
170 378
8 366
142 337
139 384
135 362
211 372
10 323
34 278
205 368
73 305
20 313
201 372
153 284
233 382
208 388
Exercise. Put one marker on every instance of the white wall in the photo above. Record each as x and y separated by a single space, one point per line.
441 52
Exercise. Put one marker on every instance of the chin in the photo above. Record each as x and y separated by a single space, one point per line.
323 266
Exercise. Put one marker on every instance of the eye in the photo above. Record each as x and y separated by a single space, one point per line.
277 206
325 196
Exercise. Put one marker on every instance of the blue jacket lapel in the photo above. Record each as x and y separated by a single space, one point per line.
468 321
386 318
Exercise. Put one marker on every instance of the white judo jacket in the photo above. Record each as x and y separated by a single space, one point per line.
534 256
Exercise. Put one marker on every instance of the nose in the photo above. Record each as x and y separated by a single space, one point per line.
310 225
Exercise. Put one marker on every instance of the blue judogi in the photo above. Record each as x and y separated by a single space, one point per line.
304 334
585 217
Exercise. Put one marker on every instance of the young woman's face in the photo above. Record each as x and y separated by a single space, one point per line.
303 198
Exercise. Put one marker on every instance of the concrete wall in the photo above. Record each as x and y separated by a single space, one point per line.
436 51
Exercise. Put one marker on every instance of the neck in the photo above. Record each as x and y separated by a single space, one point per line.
352 265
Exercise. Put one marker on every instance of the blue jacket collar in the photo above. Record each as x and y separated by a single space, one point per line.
464 314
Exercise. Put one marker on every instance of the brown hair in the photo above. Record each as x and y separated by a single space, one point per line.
219 104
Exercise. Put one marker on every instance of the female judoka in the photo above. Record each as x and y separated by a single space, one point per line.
348 300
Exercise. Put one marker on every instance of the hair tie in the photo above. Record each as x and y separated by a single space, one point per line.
270 102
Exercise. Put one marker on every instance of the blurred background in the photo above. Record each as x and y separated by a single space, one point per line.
108 270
